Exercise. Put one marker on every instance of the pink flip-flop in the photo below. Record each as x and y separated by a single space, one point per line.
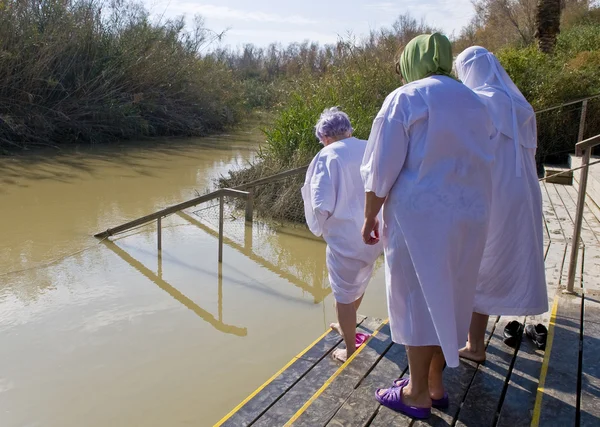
361 338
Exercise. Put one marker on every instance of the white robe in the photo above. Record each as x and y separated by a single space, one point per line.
334 205
425 155
512 276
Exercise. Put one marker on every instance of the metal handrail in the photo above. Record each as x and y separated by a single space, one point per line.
568 103
583 148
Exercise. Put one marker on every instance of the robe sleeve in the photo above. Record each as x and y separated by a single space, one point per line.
319 192
384 155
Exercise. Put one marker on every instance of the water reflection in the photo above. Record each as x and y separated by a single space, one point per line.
308 271
157 279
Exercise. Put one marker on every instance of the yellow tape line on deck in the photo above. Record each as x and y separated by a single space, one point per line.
537 409
258 390
331 378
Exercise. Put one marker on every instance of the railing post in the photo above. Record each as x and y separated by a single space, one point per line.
159 233
221 205
578 219
250 205
582 120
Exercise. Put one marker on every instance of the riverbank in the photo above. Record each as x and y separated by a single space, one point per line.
83 71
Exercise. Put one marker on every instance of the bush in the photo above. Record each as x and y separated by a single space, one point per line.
569 74
81 70
360 76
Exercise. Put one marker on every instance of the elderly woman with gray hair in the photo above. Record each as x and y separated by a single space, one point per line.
334 205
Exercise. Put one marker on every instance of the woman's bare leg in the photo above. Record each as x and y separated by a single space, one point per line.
475 348
436 370
416 393
336 326
346 314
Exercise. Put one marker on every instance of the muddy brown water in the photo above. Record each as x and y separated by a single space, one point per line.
111 334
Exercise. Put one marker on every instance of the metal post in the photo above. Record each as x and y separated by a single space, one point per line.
250 205
220 293
159 233
582 120
578 219
159 266
221 203
248 237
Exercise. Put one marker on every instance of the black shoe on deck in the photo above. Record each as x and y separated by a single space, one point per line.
512 333
538 335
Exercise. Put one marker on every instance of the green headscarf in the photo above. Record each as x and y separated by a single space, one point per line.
426 55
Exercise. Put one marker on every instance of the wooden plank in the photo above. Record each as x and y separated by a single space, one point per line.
590 366
457 382
593 187
483 397
552 222
326 404
561 212
519 398
386 418
590 221
555 261
587 235
559 391
277 387
298 395
361 406
591 268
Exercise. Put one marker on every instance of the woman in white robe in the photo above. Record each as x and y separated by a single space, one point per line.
512 277
426 165
334 208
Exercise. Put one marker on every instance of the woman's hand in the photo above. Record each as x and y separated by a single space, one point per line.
371 225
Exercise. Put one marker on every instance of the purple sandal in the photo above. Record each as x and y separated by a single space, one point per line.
442 403
392 399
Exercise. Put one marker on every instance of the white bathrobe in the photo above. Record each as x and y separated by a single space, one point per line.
334 205
425 155
512 276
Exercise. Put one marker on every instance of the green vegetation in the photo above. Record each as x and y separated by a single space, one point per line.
358 76
97 70
569 74
85 71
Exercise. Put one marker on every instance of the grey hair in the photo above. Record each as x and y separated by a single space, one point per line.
333 123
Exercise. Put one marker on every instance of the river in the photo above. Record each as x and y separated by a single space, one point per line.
109 333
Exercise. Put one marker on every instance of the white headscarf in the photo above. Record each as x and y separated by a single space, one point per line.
512 115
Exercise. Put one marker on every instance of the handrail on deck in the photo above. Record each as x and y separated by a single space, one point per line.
577 101
582 148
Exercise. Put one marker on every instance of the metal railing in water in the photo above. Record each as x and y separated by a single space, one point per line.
237 192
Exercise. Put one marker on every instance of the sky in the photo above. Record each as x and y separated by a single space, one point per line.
262 22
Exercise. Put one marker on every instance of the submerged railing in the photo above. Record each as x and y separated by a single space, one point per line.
237 192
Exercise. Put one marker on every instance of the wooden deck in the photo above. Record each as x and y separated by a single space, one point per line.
515 387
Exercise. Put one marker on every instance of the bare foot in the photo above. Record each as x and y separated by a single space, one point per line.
340 354
470 353
336 327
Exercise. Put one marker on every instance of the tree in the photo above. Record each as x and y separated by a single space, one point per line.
547 24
